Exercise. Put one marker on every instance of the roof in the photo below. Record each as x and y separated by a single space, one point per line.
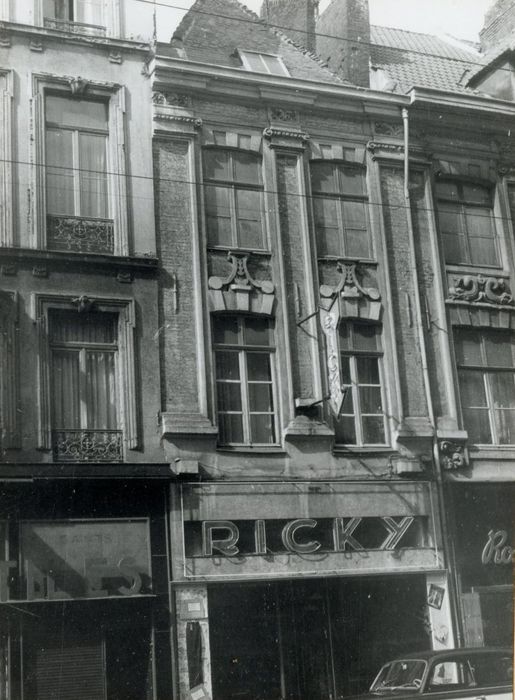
412 59
212 30
443 653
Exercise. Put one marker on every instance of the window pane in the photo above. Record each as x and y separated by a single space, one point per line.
260 397
348 401
454 248
218 215
503 389
93 175
257 331
345 336
472 389
505 426
248 212
373 430
357 241
323 177
500 349
229 396
56 9
59 179
255 62
345 431
65 389
467 343
477 425
262 429
447 190
368 370
216 165
246 168
345 368
370 399
483 250
71 326
274 65
227 365
477 194
364 336
351 181
329 236
101 397
89 11
226 330
258 366
231 428
74 112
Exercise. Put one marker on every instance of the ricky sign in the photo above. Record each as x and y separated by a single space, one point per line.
300 536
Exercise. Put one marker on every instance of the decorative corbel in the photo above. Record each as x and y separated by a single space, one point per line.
84 304
355 301
239 291
452 455
476 289
78 85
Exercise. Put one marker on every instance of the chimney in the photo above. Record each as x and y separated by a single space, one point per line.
295 18
348 53
499 24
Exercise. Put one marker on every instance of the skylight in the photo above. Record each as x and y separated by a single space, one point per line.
262 62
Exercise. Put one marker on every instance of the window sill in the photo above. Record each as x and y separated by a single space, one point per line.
28 257
364 449
496 452
249 449
460 268
343 258
236 249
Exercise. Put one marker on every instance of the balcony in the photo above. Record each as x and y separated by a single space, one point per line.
67 25
78 234
87 445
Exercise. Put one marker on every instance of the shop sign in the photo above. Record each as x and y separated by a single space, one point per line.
496 551
296 536
81 559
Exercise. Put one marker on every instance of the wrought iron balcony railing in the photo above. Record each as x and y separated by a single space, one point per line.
80 235
87 445
67 25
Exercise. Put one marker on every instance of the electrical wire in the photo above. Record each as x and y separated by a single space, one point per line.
271 192
285 29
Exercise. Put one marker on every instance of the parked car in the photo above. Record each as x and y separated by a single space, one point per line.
478 673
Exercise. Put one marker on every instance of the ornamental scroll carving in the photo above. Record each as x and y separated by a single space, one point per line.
479 289
239 291
172 99
348 299
452 455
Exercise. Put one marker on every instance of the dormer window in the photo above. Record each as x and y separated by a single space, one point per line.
262 63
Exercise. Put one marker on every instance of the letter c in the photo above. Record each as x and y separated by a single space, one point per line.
289 541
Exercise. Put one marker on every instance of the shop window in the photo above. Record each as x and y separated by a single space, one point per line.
234 199
263 63
76 151
486 374
84 386
75 15
340 210
244 357
465 216
362 418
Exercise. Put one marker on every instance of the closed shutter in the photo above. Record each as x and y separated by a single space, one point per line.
66 669
472 620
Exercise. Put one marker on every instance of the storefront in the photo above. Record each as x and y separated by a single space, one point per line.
300 591
83 592
483 522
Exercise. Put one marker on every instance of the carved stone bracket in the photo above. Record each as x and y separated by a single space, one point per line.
172 99
279 114
239 291
355 301
196 122
78 85
452 455
474 289
377 148
84 303
271 133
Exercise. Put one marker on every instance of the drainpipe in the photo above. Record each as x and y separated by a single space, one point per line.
453 601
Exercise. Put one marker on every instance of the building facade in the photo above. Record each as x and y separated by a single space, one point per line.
337 254
84 602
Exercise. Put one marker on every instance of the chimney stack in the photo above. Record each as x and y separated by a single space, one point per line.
295 18
499 25
348 53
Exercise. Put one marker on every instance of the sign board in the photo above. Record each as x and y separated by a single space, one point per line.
85 558
277 529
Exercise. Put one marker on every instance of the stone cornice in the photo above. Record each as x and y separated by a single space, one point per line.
58 36
470 102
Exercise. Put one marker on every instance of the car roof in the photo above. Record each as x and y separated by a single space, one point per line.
442 653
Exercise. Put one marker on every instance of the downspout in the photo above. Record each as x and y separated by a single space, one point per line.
453 600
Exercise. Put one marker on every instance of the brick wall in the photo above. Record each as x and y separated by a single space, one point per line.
499 23
343 37
293 14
